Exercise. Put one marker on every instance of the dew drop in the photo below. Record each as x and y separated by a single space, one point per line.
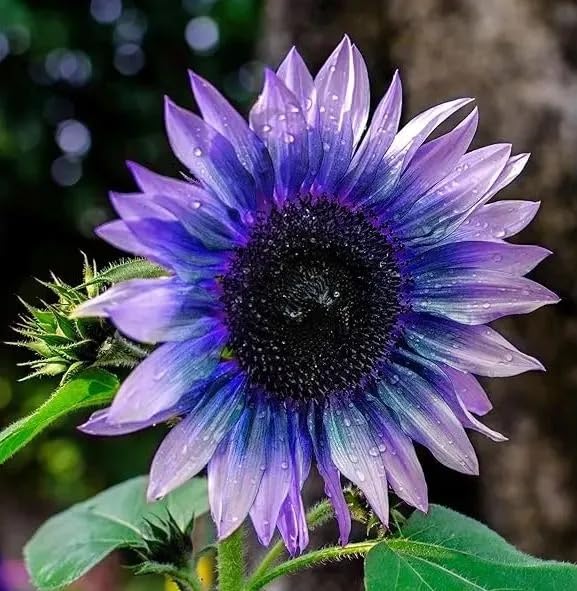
197 152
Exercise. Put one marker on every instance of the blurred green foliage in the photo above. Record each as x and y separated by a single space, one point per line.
82 91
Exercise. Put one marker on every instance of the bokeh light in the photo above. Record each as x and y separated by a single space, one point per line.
202 34
73 137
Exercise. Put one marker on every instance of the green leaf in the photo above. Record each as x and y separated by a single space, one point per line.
93 387
446 551
72 542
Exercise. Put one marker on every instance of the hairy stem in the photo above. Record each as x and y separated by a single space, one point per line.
309 560
231 562
185 580
316 516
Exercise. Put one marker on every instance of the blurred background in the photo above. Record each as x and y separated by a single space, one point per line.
81 87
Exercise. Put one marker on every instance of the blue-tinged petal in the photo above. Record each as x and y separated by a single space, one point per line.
215 227
278 119
435 160
292 522
210 157
446 205
297 78
169 244
510 172
403 469
410 138
119 235
138 206
189 195
276 480
368 159
337 151
478 296
235 470
189 446
330 475
515 259
156 310
250 150
99 424
342 85
468 389
361 99
426 417
496 221
353 446
433 374
476 349
339 110
170 372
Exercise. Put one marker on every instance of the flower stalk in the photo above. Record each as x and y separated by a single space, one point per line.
231 562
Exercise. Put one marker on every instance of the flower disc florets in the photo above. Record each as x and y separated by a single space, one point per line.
311 299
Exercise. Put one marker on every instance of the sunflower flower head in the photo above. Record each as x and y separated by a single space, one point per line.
328 290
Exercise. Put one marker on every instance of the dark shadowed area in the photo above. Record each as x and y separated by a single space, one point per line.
81 90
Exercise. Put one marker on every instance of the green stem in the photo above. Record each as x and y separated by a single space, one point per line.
316 516
309 560
231 562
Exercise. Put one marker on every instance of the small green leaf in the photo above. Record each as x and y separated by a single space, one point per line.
446 551
93 387
129 269
72 542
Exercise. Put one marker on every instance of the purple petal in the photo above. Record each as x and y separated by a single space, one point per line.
496 221
165 376
170 245
403 469
342 85
444 207
427 418
369 157
292 521
361 100
493 256
468 389
235 471
119 235
276 480
436 159
476 349
250 150
278 120
155 310
213 226
190 444
192 199
510 172
98 424
340 107
410 138
432 373
297 78
210 157
352 446
478 297
138 205
330 475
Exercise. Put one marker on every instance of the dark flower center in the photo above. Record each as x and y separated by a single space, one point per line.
311 300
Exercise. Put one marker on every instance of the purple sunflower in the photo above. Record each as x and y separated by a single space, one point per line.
327 292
